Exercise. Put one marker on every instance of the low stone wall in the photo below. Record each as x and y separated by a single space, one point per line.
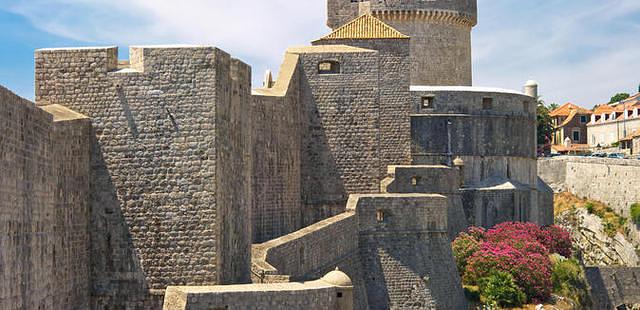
310 252
611 181
302 296
614 286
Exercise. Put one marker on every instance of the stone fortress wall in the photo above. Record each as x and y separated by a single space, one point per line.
611 181
169 164
333 165
44 214
440 34
493 132
276 115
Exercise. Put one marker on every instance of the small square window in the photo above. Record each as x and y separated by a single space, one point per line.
339 294
583 119
329 67
487 103
427 102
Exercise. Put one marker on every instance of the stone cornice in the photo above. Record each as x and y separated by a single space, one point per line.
444 16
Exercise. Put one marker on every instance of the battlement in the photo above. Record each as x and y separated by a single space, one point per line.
104 59
464 12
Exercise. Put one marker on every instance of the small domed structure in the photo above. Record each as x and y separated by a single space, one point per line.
458 162
337 278
531 83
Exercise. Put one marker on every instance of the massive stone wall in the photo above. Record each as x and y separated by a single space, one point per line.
312 251
44 161
612 287
610 181
26 205
345 149
276 147
170 160
394 97
406 253
340 128
71 135
493 131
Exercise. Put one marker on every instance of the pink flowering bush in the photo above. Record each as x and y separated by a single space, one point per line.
519 249
559 240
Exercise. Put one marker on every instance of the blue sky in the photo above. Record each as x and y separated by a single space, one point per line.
581 51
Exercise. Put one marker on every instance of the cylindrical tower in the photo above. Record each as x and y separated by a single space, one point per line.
440 32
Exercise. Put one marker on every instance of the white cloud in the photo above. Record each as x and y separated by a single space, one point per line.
256 31
582 50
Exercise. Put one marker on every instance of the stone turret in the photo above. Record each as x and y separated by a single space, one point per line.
440 34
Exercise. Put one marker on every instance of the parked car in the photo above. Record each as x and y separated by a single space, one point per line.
616 155
599 155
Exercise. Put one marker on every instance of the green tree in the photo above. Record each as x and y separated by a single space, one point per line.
553 106
619 97
545 126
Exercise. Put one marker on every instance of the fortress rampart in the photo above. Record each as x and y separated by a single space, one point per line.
44 212
611 181
170 203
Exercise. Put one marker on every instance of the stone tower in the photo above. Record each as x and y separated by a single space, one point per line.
440 32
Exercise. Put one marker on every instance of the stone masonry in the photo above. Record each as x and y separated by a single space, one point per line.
440 34
44 214
169 164
142 184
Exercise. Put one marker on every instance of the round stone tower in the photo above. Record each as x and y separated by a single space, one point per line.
440 32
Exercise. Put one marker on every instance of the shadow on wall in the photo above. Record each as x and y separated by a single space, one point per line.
116 272
599 293
323 189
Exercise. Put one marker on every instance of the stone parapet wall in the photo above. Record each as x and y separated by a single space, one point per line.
276 146
314 295
310 252
611 181
44 215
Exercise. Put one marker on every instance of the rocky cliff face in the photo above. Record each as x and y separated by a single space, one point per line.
597 247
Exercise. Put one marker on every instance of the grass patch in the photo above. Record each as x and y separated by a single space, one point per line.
635 213
611 221
569 281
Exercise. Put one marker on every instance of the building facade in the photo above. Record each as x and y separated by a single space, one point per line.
612 123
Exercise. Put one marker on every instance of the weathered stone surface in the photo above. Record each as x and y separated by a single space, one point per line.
440 34
603 179
170 159
44 214
613 287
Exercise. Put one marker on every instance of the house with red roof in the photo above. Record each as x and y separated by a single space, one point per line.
569 121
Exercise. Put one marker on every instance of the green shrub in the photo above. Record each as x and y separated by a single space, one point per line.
590 207
569 281
500 288
635 213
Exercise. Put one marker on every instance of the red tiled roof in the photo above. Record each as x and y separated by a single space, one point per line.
565 110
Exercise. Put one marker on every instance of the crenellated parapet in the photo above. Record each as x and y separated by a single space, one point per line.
434 16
